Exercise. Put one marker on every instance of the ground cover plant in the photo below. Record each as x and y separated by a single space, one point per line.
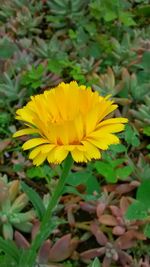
80 196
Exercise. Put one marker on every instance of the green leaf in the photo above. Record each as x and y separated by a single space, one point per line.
35 200
148 147
95 263
40 172
146 130
7 49
6 260
143 193
9 248
119 148
94 50
143 10
18 167
110 15
124 172
136 211
147 230
116 162
107 171
86 178
131 136
56 66
77 178
72 190
146 61
126 18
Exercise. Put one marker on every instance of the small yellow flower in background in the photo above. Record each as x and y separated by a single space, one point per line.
68 118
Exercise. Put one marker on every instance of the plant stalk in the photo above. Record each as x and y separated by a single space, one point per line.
45 228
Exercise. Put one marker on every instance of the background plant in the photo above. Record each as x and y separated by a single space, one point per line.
103 44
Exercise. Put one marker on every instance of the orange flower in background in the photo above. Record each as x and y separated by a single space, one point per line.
68 118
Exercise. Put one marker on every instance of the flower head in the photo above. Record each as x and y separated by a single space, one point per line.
68 118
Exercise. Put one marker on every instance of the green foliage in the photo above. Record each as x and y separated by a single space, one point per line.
41 172
139 209
34 77
140 250
113 170
57 66
7 48
131 136
35 200
95 263
10 254
146 130
112 10
65 12
5 120
143 10
84 178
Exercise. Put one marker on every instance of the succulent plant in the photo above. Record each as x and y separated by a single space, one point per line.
49 253
10 88
12 204
142 115
112 231
9 10
128 85
65 12
113 251
123 51
107 83
25 23
51 49
119 224
118 84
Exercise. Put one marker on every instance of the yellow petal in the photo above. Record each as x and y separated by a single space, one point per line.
51 156
113 121
91 150
108 108
114 128
104 141
34 142
39 159
78 155
47 148
35 152
25 114
60 154
79 127
101 144
112 139
25 131
44 149
91 119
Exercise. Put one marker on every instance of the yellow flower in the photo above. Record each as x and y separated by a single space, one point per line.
68 118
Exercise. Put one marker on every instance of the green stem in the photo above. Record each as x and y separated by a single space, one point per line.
45 228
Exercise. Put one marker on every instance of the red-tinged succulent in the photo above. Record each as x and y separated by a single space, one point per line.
99 205
120 226
49 253
112 251
144 262
121 189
